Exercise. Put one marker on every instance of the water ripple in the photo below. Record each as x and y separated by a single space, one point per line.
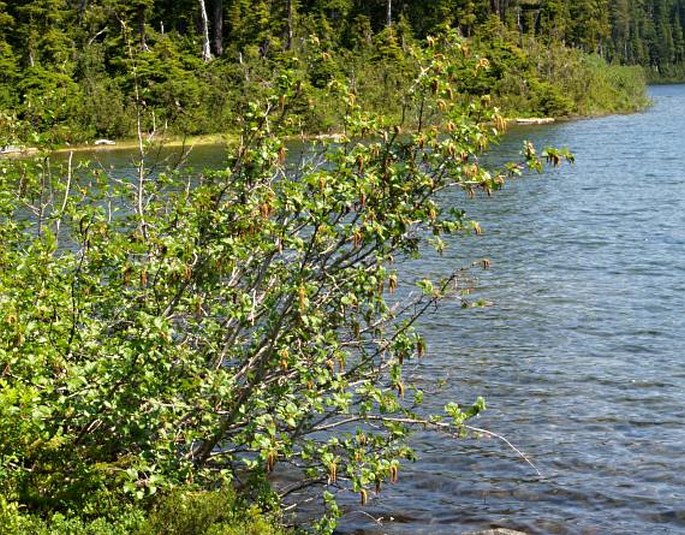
580 356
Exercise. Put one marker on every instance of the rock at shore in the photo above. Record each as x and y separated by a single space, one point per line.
496 531
14 150
10 149
535 120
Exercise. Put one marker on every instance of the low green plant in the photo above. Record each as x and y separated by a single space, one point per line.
182 512
213 513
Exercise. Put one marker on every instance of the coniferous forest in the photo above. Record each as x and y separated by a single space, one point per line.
68 67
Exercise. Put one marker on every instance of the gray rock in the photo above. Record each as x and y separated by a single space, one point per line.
496 531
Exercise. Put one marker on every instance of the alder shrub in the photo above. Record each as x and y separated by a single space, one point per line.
165 330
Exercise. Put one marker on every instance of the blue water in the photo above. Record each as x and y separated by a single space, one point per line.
581 355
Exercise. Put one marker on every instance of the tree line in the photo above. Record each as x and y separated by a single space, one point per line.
68 67
51 31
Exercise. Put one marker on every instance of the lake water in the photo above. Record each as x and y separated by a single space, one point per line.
581 355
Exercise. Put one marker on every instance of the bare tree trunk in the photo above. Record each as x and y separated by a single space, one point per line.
289 27
494 8
503 7
388 20
206 50
141 27
218 27
82 5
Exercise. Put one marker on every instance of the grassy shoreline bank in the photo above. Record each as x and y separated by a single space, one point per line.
224 139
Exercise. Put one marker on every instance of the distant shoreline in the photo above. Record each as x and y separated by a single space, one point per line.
207 139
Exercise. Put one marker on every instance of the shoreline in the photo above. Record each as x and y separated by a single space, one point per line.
18 151
132 143
204 139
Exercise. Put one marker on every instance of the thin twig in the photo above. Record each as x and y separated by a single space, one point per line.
507 442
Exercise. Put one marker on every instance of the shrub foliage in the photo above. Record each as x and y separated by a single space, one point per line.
161 329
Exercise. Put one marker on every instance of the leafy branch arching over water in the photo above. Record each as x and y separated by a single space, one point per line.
254 325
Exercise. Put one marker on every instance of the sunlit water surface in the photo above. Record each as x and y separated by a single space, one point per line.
580 357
